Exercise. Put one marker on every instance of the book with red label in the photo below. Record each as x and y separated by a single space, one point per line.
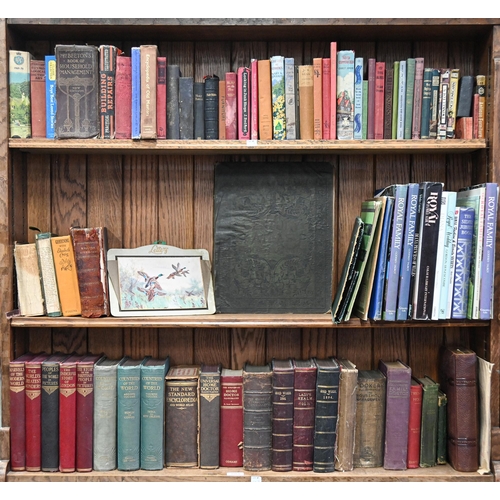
123 97
333 90
38 99
414 421
33 384
378 126
161 97
231 106
254 99
243 100
85 412
327 98
17 396
231 418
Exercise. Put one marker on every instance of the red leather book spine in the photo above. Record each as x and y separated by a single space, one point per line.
161 98
123 96
254 99
414 421
37 80
327 82
333 90
231 106
378 128
231 421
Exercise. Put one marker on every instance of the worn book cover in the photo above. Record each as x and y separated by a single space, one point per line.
333 90
48 274
37 90
465 92
123 97
326 69
186 108
173 75
484 376
395 99
199 110
149 54
273 239
19 94
318 97
107 90
429 428
306 99
265 101
77 91
426 103
231 418
434 111
211 107
388 100
444 99
441 455
278 97
409 96
417 98
345 94
231 105
453 103
50 96
414 424
378 127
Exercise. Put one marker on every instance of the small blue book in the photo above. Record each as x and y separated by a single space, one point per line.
50 96
358 98
136 92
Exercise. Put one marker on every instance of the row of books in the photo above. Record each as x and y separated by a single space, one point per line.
420 252
88 91
88 412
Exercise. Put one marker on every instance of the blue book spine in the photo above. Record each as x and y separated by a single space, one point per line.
463 257
395 252
50 96
377 296
358 98
136 92
345 94
407 257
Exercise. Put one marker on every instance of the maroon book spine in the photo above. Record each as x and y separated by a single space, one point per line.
37 81
370 134
231 106
161 98
414 421
304 404
378 128
254 97
123 97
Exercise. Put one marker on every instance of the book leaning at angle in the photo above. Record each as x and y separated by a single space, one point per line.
48 274
19 94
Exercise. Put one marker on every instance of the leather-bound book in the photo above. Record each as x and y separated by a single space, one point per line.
186 108
398 376
231 418
442 430
107 94
211 107
304 405
17 396
282 400
173 74
429 428
459 383
209 416
37 84
257 417
182 413
161 97
50 412
370 419
123 97
199 110
149 78
85 412
346 428
414 424
90 246
326 414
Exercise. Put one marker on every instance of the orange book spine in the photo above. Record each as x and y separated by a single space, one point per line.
265 106
306 97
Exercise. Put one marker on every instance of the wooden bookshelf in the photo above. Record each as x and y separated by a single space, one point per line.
144 191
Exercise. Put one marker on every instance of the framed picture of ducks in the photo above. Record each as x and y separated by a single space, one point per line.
160 280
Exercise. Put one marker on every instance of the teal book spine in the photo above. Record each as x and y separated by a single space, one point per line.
153 373
410 86
50 96
426 104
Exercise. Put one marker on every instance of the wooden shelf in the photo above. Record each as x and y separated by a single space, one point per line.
188 147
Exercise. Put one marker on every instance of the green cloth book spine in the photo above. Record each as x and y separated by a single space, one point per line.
426 104
442 433
429 429
410 86
153 373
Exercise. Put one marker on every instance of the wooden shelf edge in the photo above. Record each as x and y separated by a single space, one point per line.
168 146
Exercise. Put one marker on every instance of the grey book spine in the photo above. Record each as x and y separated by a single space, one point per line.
173 75
199 110
209 416
186 110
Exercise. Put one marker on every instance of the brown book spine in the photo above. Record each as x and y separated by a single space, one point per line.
149 54
481 106
306 96
388 92
107 75
37 80
265 106
318 97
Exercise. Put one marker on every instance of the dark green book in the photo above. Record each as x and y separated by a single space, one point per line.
426 104
429 425
410 86
441 433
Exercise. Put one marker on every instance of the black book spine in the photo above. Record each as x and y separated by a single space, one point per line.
465 92
209 417
297 103
212 107
186 110
199 110
50 417
173 75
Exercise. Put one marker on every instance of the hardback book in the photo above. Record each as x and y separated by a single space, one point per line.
278 242
345 94
17 397
465 92
254 99
378 126
123 97
397 411
297 102
278 97
210 399
50 96
479 114
105 414
67 413
388 99
304 404
85 412
149 78
50 411
326 70
463 248
48 274
161 97
199 111
358 98
152 394
426 103
444 98
333 90
395 99
222 109
19 94
186 108
290 104
346 428
231 418
66 275
257 417
128 413
425 272
37 93
409 96
414 424
452 103
370 419
318 98
77 91
90 246
371 98
182 388
464 128
243 102
231 105
400 130
411 222
33 412
173 75
434 112
326 414
265 101
282 403
417 98
29 285
107 93
135 54
429 429
365 109
441 455
306 98
484 376
212 107
458 375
